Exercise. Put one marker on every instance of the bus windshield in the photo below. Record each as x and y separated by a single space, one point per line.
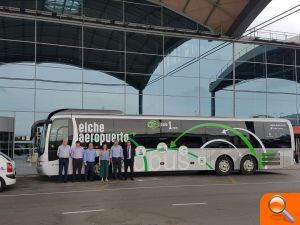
39 131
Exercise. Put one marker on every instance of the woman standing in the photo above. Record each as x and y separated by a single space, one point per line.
104 162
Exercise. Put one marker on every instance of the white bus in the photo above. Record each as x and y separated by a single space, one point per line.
170 143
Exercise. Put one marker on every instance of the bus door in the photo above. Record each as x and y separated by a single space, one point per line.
278 145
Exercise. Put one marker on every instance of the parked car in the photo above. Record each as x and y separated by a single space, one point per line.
7 171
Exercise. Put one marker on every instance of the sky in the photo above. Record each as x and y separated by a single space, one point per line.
289 24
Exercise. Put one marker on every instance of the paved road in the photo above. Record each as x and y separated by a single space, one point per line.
152 200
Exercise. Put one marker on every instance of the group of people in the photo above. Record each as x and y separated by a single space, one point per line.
87 158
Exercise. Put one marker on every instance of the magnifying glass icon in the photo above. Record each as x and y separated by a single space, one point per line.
277 205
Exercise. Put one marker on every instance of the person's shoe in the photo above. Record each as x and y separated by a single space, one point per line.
125 178
131 178
65 181
106 179
101 179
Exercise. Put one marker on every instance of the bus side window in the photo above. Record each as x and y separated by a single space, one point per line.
191 140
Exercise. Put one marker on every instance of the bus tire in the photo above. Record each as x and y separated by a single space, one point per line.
248 165
224 165
2 184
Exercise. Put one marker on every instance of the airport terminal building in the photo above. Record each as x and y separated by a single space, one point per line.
150 57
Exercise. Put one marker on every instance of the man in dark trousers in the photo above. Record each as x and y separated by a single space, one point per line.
129 154
89 156
63 153
116 157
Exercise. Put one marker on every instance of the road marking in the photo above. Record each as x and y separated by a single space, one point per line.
86 211
188 204
232 180
198 185
148 187
50 193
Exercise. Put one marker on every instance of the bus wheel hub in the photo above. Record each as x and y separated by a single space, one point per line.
248 165
224 166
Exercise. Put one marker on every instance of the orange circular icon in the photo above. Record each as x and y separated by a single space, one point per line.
277 204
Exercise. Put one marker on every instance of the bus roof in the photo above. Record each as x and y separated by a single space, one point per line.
118 113
84 112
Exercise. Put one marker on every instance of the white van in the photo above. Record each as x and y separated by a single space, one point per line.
7 171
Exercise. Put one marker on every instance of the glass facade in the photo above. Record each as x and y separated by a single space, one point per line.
6 143
45 66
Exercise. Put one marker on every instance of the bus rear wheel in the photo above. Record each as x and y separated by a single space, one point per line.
224 165
248 165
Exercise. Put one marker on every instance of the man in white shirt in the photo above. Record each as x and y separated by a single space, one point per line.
63 153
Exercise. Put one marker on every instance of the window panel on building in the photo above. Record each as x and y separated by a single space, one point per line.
298 78
59 34
248 52
281 78
54 76
206 106
104 9
251 85
17 75
281 105
142 13
17 99
132 104
7 113
181 86
181 66
28 4
279 55
106 61
155 86
181 106
152 85
224 103
50 100
215 49
16 82
181 47
17 29
103 39
109 82
298 57
23 123
143 63
144 43
211 68
224 107
250 104
92 100
210 87
40 116
153 104
68 7
249 70
64 56
15 52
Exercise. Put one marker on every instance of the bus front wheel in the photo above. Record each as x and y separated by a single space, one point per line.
248 165
224 165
